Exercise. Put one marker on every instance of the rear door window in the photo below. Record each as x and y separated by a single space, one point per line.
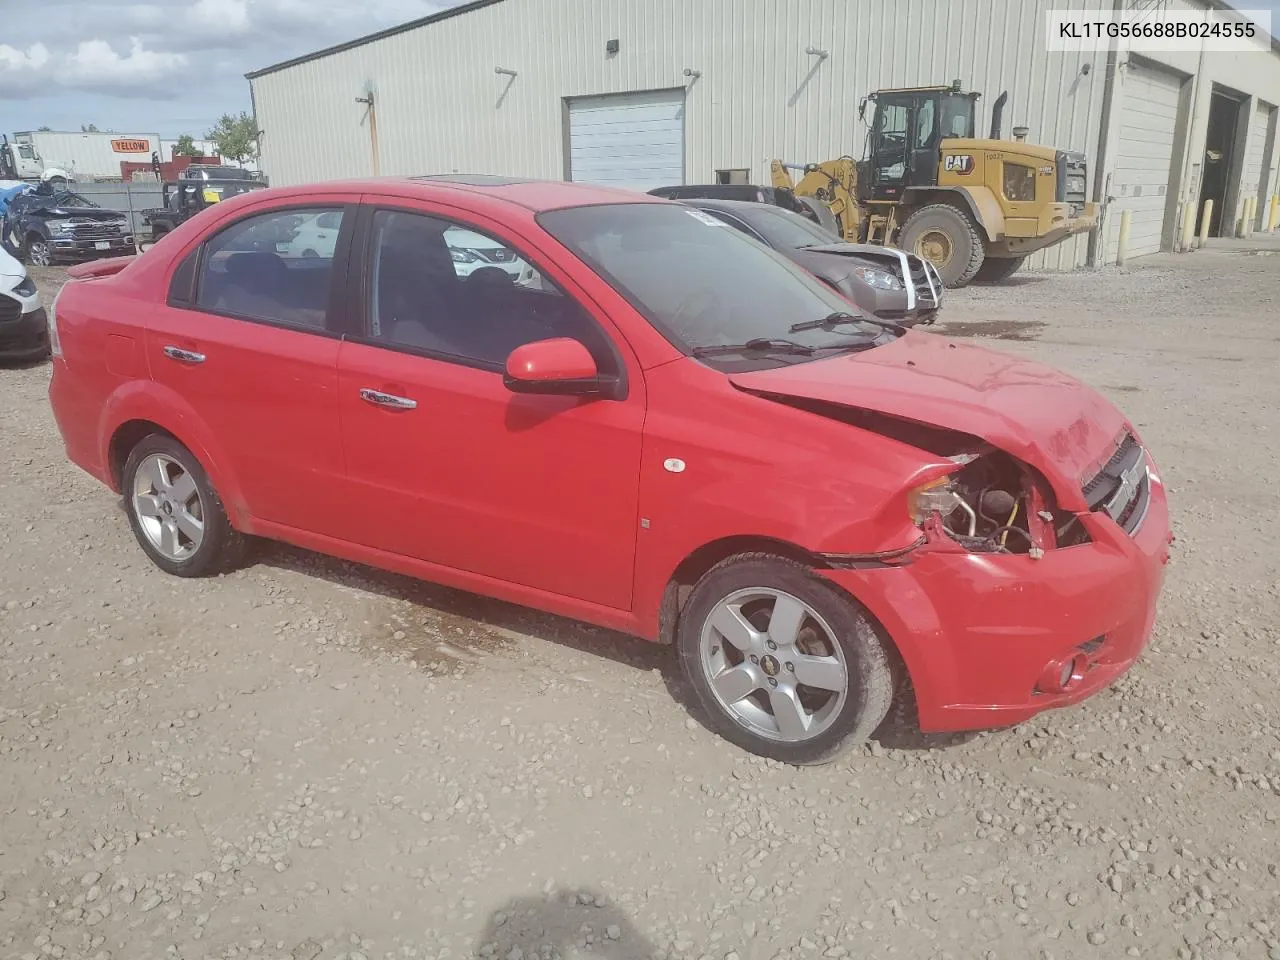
263 268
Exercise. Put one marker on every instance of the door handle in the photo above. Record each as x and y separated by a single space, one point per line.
183 356
389 400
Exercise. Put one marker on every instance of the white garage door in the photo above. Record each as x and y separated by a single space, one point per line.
1255 172
1144 158
629 140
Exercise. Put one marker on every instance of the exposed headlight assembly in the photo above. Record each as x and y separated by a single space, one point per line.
879 279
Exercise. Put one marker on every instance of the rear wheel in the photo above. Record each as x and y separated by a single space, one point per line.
783 664
175 513
948 239
995 269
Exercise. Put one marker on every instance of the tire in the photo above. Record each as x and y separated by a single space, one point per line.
995 269
39 253
832 634
967 249
153 503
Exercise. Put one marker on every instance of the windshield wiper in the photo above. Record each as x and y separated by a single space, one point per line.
763 344
839 317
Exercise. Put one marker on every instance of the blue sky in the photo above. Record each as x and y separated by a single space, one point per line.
173 66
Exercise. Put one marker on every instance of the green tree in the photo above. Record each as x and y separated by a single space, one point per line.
236 136
186 147
45 129
89 128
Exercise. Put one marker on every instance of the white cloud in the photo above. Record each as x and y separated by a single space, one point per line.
33 58
229 17
96 64
92 65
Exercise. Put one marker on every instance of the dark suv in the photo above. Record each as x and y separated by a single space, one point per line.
51 225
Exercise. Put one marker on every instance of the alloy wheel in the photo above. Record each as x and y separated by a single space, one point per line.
167 503
39 253
774 664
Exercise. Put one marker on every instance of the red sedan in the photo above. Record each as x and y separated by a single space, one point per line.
659 426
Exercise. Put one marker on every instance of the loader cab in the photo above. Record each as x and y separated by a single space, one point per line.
905 134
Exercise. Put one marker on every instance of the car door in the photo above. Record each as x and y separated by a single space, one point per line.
249 341
448 465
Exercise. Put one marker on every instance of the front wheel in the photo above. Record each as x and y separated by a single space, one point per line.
783 664
39 253
948 239
995 269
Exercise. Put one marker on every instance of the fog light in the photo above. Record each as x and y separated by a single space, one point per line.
1062 674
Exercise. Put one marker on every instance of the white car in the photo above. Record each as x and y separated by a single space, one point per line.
24 331
472 250
316 236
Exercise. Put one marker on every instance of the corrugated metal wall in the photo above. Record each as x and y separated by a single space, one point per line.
441 107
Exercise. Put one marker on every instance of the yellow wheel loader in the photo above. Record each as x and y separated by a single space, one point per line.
975 208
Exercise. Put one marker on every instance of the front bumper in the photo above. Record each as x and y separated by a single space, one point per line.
26 337
977 630
74 248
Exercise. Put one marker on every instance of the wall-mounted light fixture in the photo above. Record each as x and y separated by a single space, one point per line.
817 52
691 73
504 71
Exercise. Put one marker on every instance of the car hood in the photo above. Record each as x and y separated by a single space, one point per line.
80 213
1043 417
11 271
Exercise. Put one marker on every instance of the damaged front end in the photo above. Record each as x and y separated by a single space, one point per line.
991 504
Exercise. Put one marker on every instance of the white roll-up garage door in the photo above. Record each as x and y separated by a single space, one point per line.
1144 157
629 140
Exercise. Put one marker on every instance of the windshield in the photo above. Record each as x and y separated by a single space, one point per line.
72 200
700 282
782 228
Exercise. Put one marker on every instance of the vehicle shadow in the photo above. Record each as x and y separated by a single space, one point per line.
451 608
458 608
561 925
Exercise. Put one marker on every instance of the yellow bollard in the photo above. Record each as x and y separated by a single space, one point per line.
1273 218
1122 241
1205 219
1250 205
1239 230
1188 224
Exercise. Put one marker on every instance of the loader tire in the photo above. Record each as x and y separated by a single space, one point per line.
995 269
953 239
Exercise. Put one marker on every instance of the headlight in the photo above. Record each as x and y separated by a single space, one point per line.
880 279
937 496
59 226
462 256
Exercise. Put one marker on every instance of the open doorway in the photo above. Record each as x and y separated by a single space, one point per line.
1221 177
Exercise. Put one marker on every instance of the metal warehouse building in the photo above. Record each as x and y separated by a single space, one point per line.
642 93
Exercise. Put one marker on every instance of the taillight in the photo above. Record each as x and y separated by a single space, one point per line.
55 345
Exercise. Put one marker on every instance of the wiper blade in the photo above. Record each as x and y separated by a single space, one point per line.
839 317
763 344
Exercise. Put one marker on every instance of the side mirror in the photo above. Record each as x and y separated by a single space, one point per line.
559 366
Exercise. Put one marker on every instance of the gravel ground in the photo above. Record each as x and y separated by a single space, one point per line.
311 760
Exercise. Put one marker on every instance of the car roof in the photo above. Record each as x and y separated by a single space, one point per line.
534 195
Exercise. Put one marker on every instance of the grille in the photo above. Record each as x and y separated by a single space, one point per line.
925 292
10 309
501 255
93 230
1121 489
